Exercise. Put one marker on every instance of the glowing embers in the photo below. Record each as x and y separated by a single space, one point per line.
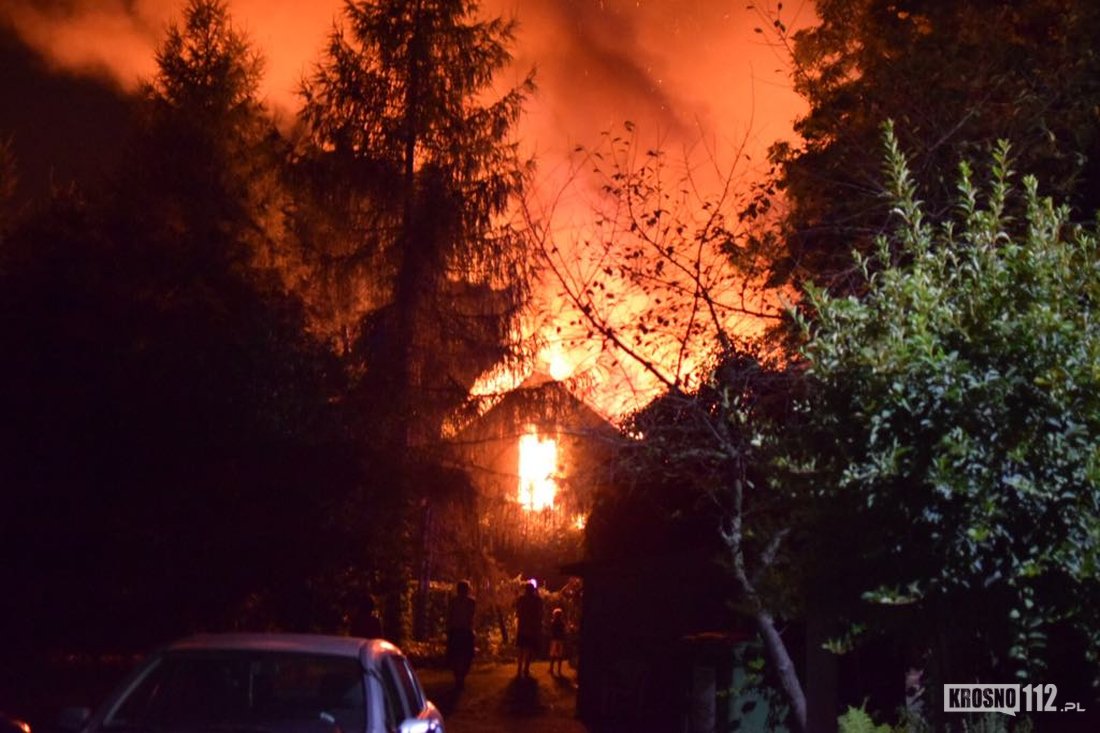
538 464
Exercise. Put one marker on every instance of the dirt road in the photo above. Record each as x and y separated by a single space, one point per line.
494 700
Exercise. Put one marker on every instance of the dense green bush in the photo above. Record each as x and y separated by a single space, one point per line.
954 436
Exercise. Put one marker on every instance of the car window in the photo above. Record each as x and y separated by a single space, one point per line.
257 689
391 686
411 685
402 687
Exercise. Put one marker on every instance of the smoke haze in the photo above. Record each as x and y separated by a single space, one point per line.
679 68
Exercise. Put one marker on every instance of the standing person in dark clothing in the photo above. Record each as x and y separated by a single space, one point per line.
367 623
460 632
528 627
557 641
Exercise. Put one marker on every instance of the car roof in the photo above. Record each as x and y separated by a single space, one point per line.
367 650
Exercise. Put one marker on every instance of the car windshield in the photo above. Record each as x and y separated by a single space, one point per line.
244 692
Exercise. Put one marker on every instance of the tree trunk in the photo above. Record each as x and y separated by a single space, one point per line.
775 651
420 607
780 660
406 301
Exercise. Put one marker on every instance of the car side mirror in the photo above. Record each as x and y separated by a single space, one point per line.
417 725
71 720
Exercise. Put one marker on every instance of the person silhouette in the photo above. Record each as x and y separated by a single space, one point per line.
367 623
460 632
528 627
557 641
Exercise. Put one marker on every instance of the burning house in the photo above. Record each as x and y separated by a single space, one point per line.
536 460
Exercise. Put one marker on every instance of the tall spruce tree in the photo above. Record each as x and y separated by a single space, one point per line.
397 108
225 398
209 155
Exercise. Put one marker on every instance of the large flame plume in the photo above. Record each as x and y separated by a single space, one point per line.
538 465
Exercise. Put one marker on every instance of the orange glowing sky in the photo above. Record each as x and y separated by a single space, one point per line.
681 70
678 64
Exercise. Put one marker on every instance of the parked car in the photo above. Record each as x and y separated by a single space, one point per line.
267 683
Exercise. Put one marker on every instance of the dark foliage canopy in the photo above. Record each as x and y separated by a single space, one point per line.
955 77
166 417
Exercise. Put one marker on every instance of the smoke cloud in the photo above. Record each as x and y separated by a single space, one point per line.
684 67
680 68
111 39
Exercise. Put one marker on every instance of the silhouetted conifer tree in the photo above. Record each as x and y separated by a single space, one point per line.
398 107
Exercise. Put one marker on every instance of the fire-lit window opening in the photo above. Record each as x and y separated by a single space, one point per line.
538 464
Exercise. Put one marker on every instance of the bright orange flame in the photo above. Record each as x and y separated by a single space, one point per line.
559 365
538 462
